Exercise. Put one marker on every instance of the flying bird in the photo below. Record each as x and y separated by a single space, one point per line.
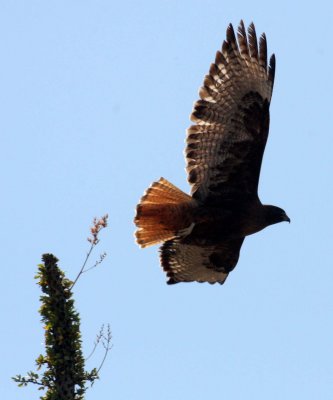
202 233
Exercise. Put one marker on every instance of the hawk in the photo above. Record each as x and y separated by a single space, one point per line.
202 233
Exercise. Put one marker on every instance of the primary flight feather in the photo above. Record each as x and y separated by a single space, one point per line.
202 233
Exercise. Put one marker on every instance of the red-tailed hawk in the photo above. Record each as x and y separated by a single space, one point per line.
203 232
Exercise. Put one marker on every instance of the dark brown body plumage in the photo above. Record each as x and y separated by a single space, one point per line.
203 233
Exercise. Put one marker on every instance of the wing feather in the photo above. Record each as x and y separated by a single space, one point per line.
242 40
253 44
201 263
263 51
225 146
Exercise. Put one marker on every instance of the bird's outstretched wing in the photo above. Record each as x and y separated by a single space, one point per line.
188 263
226 145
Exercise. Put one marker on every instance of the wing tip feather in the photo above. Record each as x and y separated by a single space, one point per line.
271 68
231 38
253 42
263 51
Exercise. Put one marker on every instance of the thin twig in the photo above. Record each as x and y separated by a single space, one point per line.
98 339
98 225
26 381
84 264
101 258
106 344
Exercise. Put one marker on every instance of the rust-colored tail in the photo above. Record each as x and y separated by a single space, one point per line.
163 211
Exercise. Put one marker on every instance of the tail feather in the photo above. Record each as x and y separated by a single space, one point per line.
161 213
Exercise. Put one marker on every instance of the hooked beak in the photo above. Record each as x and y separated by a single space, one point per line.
286 218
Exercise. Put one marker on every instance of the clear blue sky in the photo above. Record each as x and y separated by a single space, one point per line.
95 99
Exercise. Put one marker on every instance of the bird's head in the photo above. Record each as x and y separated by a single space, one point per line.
274 214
